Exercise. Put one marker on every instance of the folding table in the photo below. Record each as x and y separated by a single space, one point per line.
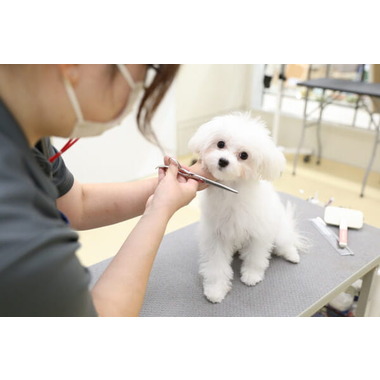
338 85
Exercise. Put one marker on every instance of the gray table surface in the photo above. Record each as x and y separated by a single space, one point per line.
175 287
344 85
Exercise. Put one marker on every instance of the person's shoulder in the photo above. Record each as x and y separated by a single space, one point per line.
11 157
14 175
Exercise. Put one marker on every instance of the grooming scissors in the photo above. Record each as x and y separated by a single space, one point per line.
188 174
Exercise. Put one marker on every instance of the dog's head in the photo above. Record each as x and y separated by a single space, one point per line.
235 147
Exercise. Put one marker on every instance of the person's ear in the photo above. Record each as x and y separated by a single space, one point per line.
70 72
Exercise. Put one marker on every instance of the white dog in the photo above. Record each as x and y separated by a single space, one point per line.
239 152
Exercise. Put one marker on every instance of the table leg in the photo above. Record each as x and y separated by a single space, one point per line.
369 166
319 142
366 293
356 110
304 125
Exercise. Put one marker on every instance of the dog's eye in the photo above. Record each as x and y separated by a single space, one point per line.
243 155
221 144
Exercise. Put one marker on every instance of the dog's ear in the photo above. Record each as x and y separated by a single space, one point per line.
272 164
194 143
200 139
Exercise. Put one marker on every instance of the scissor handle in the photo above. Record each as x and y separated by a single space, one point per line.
184 173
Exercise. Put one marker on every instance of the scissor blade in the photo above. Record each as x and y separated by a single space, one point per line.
220 185
188 174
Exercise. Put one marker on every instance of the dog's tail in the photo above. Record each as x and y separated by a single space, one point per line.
300 241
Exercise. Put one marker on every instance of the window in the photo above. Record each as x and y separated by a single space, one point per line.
343 110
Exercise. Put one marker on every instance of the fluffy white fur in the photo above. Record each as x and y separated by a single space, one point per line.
253 222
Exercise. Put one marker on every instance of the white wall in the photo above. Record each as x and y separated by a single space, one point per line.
203 91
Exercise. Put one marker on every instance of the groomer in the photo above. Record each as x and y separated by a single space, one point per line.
41 204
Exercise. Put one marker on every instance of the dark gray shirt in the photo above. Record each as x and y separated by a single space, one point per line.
40 274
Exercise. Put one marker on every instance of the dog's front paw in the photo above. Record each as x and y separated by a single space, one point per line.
215 293
251 278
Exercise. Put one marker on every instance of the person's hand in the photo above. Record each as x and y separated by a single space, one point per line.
198 168
172 192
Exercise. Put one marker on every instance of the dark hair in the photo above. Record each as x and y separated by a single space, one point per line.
152 98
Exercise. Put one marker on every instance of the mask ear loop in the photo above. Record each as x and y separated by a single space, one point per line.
127 75
73 99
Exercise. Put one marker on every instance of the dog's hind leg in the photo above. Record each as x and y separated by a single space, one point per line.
288 252
285 245
287 239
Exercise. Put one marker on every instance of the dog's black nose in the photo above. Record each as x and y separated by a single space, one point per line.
223 162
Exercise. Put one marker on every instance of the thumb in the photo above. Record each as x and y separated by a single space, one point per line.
173 169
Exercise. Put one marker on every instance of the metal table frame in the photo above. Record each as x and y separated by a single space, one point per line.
338 86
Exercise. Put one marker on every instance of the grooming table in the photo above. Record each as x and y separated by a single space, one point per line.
288 290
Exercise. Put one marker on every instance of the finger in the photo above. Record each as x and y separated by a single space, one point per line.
197 168
161 174
202 186
193 184
181 178
173 169
170 160
166 160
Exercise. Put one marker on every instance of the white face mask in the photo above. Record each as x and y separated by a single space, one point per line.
85 128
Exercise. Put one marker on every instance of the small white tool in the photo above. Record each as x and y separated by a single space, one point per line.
330 236
344 218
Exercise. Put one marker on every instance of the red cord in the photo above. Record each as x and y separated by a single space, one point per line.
68 145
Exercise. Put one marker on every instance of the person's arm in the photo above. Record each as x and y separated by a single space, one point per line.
90 206
96 205
121 289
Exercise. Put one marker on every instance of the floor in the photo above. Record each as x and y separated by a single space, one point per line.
330 180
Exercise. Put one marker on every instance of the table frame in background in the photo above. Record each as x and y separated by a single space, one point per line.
338 86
